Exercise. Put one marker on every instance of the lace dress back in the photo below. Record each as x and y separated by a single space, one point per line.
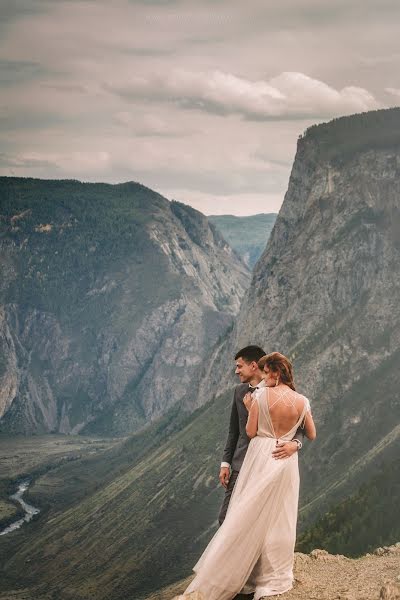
280 412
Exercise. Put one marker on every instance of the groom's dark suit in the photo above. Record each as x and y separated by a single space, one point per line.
237 442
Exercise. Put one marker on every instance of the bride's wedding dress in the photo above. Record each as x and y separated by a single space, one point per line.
253 550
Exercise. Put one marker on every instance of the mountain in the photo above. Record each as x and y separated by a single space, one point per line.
247 235
364 519
110 298
326 291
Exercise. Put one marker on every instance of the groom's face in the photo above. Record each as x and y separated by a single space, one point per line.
245 370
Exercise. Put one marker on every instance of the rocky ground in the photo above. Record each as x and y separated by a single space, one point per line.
323 576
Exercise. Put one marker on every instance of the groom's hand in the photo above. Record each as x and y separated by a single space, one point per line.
224 476
285 449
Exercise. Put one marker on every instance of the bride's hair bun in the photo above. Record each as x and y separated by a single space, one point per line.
280 364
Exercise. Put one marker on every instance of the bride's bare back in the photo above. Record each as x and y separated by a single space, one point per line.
280 411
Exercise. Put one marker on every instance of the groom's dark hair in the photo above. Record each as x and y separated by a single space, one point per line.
250 354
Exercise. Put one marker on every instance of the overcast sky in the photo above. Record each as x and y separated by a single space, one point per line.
201 100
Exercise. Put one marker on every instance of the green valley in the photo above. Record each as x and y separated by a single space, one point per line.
247 235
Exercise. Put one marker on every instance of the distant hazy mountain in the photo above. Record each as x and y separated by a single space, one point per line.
326 291
110 297
247 235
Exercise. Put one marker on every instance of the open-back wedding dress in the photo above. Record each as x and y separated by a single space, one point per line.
253 550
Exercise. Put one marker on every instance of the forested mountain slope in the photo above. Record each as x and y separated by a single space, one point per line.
110 297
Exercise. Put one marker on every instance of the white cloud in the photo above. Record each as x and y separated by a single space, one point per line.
377 61
289 95
393 91
150 125
307 96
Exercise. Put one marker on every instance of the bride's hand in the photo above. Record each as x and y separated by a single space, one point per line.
248 401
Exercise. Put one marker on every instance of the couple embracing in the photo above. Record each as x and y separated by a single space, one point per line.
253 550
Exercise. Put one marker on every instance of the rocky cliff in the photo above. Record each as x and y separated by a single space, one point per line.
326 292
110 298
323 576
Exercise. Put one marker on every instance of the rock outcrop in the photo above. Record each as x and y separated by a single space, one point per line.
323 576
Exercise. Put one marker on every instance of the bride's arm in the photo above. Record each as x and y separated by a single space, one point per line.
309 426
252 420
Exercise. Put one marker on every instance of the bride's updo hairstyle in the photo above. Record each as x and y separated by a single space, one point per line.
278 363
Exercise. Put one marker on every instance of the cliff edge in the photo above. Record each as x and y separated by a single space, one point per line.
323 576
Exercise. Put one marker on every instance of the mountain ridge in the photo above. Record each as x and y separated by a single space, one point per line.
99 284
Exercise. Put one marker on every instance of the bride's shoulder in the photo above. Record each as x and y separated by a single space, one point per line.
303 399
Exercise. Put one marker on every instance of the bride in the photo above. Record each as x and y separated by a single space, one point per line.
253 551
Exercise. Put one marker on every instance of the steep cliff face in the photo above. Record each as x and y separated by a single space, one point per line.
326 292
110 298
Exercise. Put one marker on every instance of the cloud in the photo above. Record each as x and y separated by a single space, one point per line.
376 61
13 120
58 165
289 95
393 91
14 9
66 88
150 125
24 162
22 71
155 2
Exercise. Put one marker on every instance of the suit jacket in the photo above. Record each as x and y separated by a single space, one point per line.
238 441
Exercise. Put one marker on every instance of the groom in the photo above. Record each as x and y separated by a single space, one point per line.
237 442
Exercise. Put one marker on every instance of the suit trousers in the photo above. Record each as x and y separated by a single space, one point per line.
227 497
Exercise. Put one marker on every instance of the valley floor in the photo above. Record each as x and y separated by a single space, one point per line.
319 575
29 456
